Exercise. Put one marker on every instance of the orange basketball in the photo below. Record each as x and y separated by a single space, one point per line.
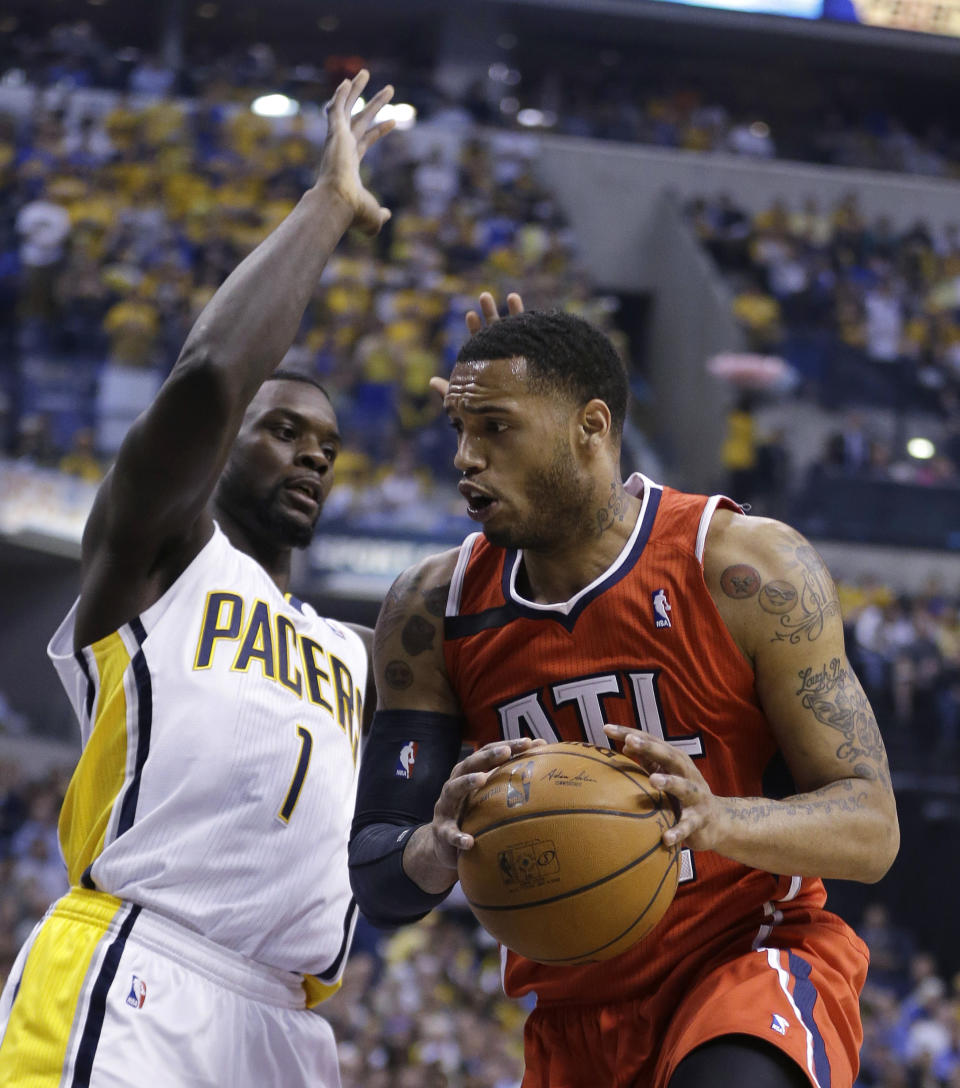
568 864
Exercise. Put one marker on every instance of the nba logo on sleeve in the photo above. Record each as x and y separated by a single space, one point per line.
661 608
138 993
406 760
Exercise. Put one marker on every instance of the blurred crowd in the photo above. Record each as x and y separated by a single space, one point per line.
911 1012
865 315
116 228
906 651
423 1007
650 93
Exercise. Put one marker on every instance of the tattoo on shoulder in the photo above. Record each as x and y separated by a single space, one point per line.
435 600
395 605
834 696
398 675
417 635
740 580
803 611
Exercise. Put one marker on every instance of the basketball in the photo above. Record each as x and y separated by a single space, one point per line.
568 865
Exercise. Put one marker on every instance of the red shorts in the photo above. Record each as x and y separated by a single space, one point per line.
802 997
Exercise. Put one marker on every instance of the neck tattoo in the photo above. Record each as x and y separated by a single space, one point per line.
615 511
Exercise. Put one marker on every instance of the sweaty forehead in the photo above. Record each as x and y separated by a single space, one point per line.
482 379
292 396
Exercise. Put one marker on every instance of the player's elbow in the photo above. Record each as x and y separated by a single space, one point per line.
885 845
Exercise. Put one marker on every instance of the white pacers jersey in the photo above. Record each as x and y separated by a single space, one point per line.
216 784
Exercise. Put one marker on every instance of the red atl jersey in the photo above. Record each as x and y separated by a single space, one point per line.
642 646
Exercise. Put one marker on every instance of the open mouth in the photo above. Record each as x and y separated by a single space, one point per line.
304 494
479 504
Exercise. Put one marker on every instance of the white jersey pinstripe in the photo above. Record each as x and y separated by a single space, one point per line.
217 779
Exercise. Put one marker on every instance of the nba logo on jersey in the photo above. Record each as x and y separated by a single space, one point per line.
779 1024
138 993
661 608
406 760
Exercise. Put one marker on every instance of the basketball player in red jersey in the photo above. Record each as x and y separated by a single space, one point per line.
705 644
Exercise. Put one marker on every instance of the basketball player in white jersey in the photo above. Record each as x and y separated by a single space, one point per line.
205 827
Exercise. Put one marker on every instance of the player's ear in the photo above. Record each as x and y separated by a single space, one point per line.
594 422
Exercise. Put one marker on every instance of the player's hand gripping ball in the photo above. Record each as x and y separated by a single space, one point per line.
568 864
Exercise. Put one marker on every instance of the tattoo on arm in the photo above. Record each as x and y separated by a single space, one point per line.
740 580
398 675
396 606
435 600
803 612
417 635
840 796
834 696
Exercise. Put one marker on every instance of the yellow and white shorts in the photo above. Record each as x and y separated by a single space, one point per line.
105 994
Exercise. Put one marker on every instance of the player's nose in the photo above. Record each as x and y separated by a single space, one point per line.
469 456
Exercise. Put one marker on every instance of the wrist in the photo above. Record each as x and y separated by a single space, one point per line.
424 866
329 199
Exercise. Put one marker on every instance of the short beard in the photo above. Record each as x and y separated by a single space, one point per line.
287 531
264 519
557 497
284 530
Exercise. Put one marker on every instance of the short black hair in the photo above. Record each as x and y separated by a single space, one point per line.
282 375
563 353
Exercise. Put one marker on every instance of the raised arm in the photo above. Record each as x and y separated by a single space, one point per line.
780 605
152 503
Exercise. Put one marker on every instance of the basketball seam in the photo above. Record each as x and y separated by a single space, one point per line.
575 891
539 813
633 925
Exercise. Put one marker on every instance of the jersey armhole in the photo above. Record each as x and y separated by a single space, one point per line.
459 572
707 516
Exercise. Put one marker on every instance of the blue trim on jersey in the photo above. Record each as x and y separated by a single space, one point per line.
332 973
141 673
569 619
96 1011
91 689
296 602
805 996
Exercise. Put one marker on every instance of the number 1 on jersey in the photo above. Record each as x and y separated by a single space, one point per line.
296 784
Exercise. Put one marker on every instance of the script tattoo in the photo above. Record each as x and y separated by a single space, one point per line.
803 612
616 508
417 635
398 675
740 580
825 801
835 698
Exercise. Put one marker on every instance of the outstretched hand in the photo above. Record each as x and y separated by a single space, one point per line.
489 312
476 321
349 137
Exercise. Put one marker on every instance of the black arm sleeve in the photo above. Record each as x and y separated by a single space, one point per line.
406 760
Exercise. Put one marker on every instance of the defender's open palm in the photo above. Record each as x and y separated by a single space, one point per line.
349 137
476 321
